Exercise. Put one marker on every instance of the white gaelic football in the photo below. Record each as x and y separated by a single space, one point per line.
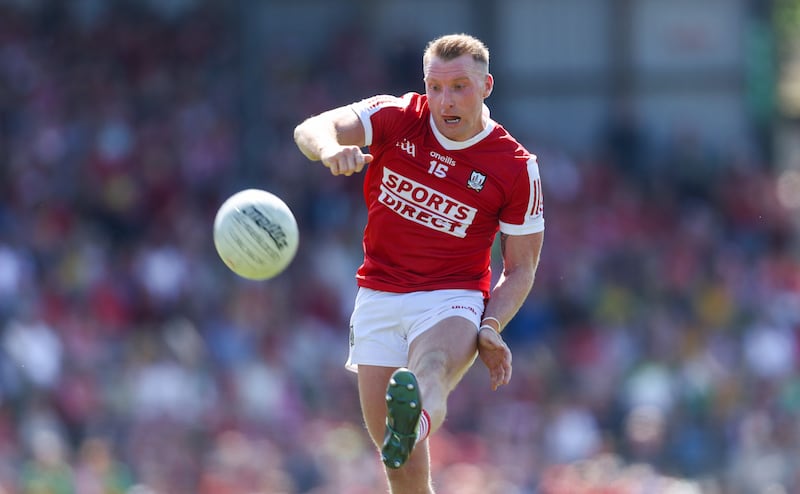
255 234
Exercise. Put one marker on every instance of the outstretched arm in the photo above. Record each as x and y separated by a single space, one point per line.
520 260
335 138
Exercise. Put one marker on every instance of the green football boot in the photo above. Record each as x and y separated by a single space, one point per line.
404 407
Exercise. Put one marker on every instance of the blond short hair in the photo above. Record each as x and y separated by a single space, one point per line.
452 46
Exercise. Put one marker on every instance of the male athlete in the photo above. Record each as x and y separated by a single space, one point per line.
443 178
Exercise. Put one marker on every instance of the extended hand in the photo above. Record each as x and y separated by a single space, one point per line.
496 355
344 160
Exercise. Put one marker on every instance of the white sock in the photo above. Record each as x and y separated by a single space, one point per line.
424 426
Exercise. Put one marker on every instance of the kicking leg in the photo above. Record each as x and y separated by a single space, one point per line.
439 358
414 476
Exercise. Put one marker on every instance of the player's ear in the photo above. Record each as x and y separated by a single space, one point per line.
488 85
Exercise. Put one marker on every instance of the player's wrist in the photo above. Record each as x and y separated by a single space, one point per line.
488 328
493 323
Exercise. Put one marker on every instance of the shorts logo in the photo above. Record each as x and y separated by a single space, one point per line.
476 181
465 307
424 205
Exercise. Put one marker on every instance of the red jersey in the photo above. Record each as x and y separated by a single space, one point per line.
435 205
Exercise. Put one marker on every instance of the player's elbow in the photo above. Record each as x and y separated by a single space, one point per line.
303 138
523 275
527 275
300 133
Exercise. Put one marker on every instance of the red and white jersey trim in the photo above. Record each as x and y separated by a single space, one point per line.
368 107
534 220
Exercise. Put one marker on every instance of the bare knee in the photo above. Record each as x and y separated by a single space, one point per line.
432 364
436 369
444 353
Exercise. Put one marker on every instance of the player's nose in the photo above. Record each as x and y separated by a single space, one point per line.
447 98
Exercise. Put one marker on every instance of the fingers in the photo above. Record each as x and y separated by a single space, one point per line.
497 357
346 160
501 375
360 162
506 372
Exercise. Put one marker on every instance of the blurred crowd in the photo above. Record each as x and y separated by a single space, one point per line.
657 353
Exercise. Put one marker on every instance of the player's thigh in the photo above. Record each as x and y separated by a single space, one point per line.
449 346
372 382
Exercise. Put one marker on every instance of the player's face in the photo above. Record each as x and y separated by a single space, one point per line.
456 90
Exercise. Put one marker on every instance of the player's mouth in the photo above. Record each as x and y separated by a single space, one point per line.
451 120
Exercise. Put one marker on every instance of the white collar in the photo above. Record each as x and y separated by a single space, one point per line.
451 145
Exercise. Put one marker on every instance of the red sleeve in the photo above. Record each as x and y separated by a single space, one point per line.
525 211
381 114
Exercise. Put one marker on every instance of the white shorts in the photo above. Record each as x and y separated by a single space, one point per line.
384 324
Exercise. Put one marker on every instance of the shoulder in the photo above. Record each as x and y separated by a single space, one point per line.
385 115
508 147
409 102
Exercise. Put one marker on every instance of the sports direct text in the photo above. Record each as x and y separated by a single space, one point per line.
424 205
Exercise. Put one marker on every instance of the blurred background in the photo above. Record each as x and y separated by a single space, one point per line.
658 351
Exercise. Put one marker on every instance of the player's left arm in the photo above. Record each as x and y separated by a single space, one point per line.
520 261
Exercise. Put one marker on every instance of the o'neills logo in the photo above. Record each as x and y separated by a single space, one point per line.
271 228
424 205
